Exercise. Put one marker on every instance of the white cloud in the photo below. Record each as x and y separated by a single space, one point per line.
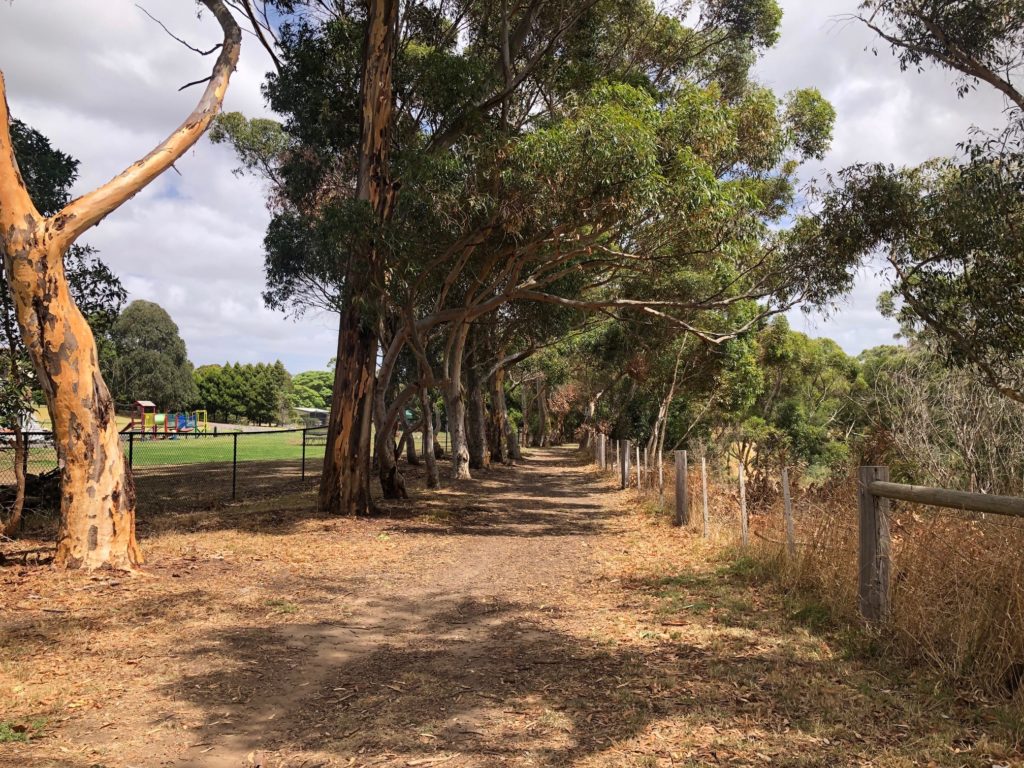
883 115
100 79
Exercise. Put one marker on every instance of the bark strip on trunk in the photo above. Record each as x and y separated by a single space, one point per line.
345 482
97 525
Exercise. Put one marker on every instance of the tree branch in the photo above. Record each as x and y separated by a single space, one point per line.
92 207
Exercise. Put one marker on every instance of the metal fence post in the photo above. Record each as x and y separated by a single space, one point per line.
303 454
234 465
131 449
874 550
682 498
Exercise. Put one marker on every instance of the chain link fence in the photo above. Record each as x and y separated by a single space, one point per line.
186 471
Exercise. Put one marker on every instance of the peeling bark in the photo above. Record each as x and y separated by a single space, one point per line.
345 482
97 525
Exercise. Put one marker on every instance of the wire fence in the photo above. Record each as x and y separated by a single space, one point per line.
188 470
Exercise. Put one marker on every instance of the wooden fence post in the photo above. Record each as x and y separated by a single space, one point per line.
875 545
787 511
682 492
661 474
601 461
704 488
639 468
744 522
624 464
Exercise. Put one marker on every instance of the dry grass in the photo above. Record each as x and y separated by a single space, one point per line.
958 582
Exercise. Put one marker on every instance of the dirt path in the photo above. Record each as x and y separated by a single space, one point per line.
529 618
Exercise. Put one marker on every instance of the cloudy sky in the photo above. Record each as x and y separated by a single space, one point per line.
100 79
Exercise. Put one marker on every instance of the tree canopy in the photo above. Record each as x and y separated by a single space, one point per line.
149 360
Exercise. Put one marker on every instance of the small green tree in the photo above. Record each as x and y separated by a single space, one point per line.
150 360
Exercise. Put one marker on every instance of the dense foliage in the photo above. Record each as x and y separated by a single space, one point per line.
148 359
951 228
258 393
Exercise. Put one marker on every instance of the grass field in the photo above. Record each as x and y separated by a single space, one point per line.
202 449
259 446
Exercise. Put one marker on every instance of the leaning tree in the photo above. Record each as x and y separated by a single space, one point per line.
97 522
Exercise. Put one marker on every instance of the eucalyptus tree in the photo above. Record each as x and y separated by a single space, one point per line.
591 156
97 526
48 174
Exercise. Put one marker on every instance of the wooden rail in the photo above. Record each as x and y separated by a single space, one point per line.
875 551
1012 506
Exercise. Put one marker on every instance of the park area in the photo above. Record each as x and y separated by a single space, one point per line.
535 616
465 383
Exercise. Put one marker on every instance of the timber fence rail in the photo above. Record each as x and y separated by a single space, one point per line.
632 468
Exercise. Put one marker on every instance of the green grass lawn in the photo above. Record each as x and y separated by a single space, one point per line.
207 449
204 449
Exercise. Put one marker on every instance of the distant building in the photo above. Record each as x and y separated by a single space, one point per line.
313 417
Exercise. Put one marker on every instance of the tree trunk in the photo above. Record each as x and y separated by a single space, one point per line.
411 455
587 428
438 448
433 478
392 482
455 404
10 526
497 425
97 525
511 438
345 482
477 417
542 414
527 403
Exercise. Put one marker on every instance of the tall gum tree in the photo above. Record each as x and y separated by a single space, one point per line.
345 482
97 520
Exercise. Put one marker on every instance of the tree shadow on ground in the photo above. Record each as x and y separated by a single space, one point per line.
499 501
488 683
503 502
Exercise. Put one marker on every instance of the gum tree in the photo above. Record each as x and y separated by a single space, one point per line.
97 523
951 228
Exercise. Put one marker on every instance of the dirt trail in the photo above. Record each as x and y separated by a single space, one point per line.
528 618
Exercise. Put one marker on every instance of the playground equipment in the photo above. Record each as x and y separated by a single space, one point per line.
146 420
